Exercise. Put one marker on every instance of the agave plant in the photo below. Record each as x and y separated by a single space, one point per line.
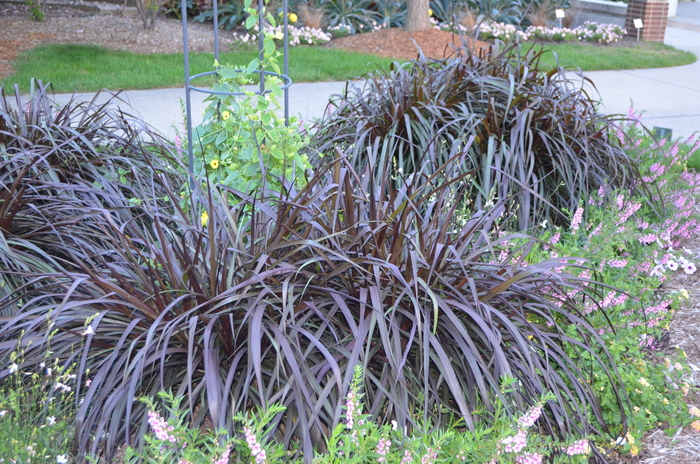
275 300
392 13
502 11
445 11
355 14
537 138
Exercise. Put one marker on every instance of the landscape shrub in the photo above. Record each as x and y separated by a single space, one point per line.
522 131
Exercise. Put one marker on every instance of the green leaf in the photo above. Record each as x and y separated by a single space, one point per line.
250 21
269 46
253 65
220 139
227 72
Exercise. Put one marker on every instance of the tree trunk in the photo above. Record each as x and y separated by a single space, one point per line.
417 18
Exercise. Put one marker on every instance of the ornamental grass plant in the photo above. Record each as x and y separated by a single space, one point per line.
276 299
521 132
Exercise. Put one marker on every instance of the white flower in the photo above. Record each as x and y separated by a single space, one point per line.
2 413
51 420
394 425
13 368
62 459
672 265
89 330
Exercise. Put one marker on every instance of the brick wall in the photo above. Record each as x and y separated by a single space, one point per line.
653 13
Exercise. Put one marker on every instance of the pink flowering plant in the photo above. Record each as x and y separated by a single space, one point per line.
634 249
501 440
174 440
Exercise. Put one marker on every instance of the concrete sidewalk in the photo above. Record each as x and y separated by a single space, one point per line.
669 97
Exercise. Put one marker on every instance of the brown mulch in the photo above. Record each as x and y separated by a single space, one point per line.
397 43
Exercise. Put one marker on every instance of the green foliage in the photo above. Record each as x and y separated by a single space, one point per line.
36 410
231 14
36 10
502 11
446 11
243 143
392 13
357 439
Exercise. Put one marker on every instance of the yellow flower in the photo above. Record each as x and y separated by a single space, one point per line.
278 35
634 450
665 401
636 409
293 17
637 390
694 411
643 382
630 438
695 425
225 115
685 294
214 164
648 412
667 363
430 12
205 218
678 366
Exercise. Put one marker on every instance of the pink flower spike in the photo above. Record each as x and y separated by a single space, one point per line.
529 458
576 220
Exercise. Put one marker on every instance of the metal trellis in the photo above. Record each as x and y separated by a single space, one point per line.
287 82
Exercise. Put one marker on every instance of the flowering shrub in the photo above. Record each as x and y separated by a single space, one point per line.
173 441
36 412
588 32
504 32
629 247
357 439
297 35
338 31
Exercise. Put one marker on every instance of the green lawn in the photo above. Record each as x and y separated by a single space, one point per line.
592 57
86 68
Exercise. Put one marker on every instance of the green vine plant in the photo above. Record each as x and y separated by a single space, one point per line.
242 142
